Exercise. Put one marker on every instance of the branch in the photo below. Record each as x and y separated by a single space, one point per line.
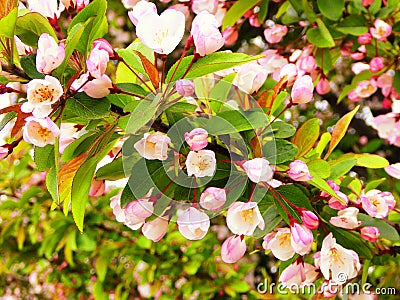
13 69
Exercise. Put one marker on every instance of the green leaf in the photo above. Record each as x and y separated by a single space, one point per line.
44 157
295 195
28 64
89 108
101 267
320 168
8 23
209 64
340 130
371 161
396 81
309 12
143 112
279 151
387 231
112 171
353 25
52 184
272 219
31 26
237 10
262 14
331 9
320 36
323 142
6 119
321 184
306 136
374 184
282 130
342 167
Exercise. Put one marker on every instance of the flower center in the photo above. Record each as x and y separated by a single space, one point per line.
160 36
247 215
44 94
43 133
283 239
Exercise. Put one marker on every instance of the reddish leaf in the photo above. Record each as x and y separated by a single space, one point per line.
20 122
150 69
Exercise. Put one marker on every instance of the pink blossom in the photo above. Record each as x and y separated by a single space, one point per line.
3 152
309 219
366 88
230 35
384 124
40 132
182 8
204 5
385 82
98 87
376 64
275 34
347 218
359 67
323 86
358 55
185 87
299 171
367 2
302 90
142 9
49 54
213 198
335 203
47 8
254 21
206 35
156 229
103 44
393 170
233 249
41 95
193 224
75 4
129 3
301 238
394 136
353 97
307 63
370 233
197 139
201 163
137 211
115 204
381 30
97 62
250 77
258 169
162 33
153 146
290 72
272 62
279 243
336 260
377 204
365 39
244 218
298 274
97 188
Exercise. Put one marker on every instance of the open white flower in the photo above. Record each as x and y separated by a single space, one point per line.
258 169
201 163
279 243
346 218
41 94
153 146
162 33
40 132
244 218
336 260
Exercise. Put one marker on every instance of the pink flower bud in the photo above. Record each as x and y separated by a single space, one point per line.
97 188
359 67
250 77
367 2
103 44
309 219
302 90
299 171
156 229
49 54
230 35
185 87
204 5
381 30
213 198
370 233
336 203
323 86
141 10
307 63
357 55
97 62
301 238
153 146
115 204
376 64
137 211
393 170
233 249
254 21
275 34
365 39
290 72
258 169
193 224
197 139
98 87
206 35
298 274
